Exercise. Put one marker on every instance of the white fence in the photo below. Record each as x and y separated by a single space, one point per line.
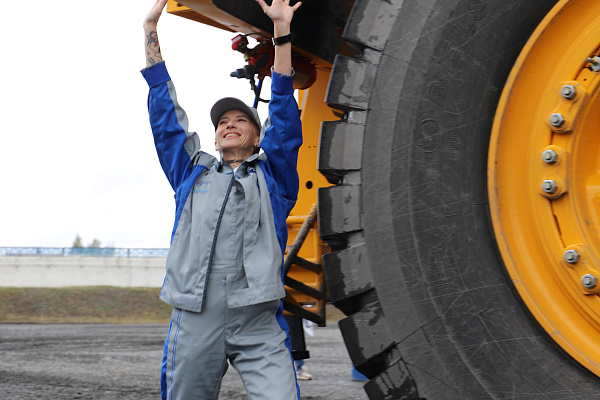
75 270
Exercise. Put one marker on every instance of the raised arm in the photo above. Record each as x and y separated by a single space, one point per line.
152 47
281 13
175 145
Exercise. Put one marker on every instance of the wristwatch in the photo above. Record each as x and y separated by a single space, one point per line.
282 39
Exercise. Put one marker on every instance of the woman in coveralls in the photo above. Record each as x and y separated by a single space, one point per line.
224 268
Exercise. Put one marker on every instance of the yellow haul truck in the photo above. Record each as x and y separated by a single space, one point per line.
452 151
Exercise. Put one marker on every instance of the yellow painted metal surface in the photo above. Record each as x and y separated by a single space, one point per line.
544 178
205 12
314 112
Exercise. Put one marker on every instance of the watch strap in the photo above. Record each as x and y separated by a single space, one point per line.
282 39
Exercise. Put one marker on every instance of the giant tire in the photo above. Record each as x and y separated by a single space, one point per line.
431 311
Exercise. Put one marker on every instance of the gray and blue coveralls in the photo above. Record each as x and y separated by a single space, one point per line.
224 275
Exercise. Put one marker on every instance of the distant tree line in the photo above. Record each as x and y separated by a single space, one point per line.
78 242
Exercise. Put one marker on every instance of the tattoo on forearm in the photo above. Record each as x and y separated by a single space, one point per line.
151 60
153 48
153 40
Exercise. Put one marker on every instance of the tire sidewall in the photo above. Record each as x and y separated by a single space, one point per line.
450 305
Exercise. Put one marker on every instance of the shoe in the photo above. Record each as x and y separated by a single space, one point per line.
303 375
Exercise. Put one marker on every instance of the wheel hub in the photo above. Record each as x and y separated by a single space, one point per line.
544 179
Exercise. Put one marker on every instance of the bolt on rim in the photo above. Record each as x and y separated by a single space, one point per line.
549 234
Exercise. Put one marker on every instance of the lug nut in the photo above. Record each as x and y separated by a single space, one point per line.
557 119
568 91
595 63
589 281
571 256
549 186
549 156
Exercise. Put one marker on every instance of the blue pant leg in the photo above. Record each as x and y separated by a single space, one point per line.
163 369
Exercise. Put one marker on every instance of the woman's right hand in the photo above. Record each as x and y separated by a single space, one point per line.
154 14
152 48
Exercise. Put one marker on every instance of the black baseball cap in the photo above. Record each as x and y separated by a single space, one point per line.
231 103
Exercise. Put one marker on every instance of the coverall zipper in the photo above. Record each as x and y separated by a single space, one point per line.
214 241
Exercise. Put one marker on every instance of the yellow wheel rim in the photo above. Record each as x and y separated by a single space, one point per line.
544 177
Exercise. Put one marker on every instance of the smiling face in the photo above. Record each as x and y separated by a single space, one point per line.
236 135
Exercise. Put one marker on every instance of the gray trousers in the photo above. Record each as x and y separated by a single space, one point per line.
250 338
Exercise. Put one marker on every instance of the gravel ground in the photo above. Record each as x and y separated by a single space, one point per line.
66 362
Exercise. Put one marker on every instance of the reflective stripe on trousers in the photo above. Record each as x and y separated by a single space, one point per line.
250 338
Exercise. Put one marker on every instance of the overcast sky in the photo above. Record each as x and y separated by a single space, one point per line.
76 151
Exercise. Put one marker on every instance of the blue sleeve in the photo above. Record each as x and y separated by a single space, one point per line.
284 137
174 144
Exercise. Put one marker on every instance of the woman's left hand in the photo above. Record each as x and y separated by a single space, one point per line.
279 11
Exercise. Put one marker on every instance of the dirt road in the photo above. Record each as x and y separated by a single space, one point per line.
66 362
